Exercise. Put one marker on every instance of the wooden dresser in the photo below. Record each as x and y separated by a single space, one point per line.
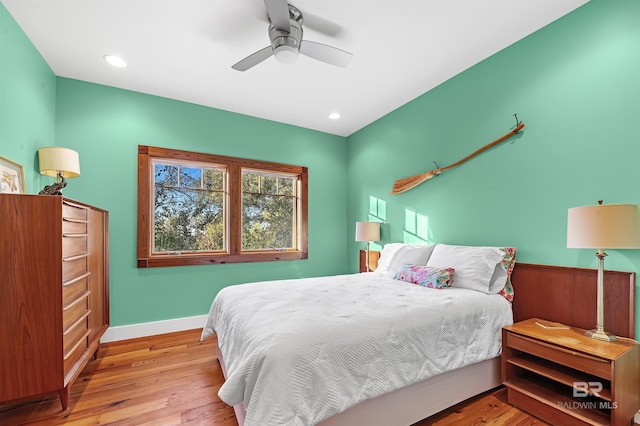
54 292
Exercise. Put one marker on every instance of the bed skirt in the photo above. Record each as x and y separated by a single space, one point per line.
408 405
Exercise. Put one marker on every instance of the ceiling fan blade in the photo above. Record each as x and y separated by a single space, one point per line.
325 53
322 25
253 59
278 11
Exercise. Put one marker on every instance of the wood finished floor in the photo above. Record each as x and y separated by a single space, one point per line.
173 379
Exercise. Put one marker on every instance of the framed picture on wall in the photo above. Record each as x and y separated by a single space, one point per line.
11 177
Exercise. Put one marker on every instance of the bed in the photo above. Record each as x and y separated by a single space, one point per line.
274 378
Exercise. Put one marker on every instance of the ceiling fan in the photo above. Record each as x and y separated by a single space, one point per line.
285 33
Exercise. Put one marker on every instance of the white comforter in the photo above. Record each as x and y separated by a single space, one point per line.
299 351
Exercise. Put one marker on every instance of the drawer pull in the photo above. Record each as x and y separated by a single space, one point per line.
76 322
76 279
74 220
84 295
68 354
75 235
66 202
72 258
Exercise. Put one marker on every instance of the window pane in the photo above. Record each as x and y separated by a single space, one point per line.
250 182
188 220
166 175
269 185
286 186
190 177
267 222
214 179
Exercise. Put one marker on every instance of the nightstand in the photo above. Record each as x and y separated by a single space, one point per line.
373 260
566 378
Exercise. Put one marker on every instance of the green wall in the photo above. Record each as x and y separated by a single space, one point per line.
106 125
576 86
27 101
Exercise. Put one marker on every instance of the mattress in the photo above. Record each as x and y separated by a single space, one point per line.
299 351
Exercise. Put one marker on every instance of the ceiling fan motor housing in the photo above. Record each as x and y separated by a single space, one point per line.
285 34
286 45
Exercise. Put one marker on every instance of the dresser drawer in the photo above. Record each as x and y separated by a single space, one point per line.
76 333
74 211
73 245
75 352
73 226
74 311
73 288
74 266
573 359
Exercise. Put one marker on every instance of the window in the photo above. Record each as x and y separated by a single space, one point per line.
196 209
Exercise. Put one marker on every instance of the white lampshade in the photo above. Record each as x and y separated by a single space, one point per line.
54 159
605 226
367 231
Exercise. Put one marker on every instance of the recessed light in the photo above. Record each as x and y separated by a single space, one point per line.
116 61
334 116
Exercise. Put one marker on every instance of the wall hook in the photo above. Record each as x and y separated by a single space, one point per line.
516 131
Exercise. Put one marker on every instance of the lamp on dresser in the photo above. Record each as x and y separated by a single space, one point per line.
367 231
611 226
60 163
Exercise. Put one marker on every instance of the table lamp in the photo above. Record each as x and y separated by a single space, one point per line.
610 226
60 163
367 231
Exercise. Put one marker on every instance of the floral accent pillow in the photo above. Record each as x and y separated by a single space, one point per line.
509 259
508 263
507 292
425 276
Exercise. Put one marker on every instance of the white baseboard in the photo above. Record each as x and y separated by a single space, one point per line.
132 331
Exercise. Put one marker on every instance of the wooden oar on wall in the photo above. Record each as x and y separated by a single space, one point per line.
406 184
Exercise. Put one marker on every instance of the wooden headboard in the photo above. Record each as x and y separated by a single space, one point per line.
568 295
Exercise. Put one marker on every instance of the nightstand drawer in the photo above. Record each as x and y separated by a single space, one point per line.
572 359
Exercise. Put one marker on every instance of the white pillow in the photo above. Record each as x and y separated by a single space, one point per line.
474 266
498 279
386 255
394 255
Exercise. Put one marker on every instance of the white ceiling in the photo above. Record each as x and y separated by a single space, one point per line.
184 49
